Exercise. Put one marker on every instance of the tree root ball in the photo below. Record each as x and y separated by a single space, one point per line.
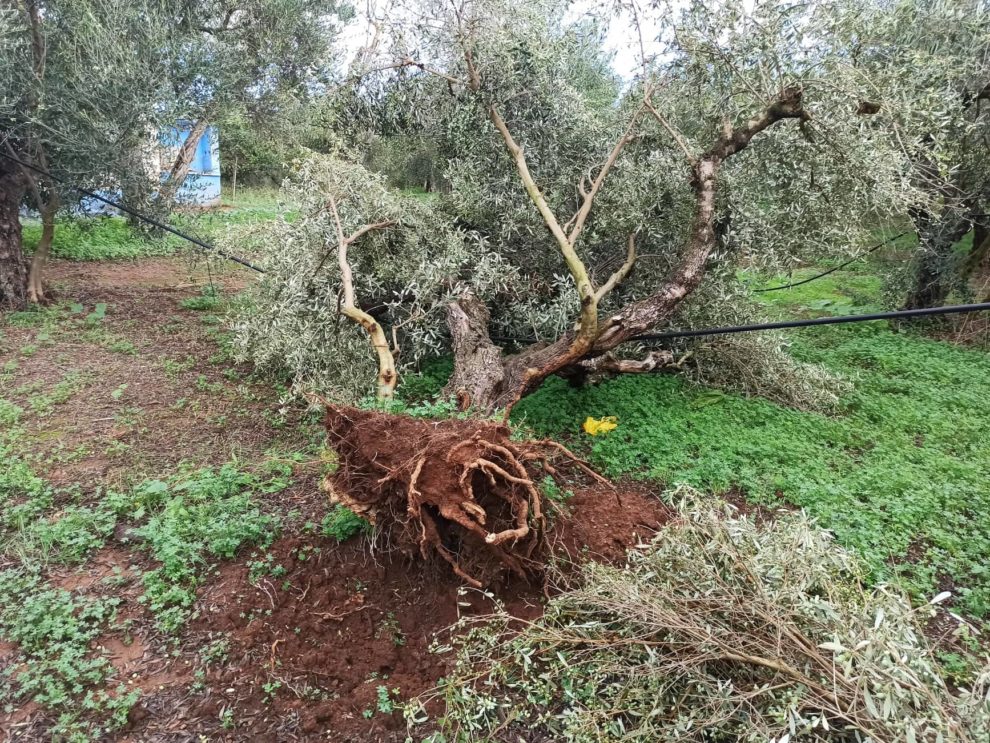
461 489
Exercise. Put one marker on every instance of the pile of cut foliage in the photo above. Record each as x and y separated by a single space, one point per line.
744 631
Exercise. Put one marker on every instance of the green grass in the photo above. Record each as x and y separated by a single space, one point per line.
96 239
208 301
903 467
112 238
252 198
420 193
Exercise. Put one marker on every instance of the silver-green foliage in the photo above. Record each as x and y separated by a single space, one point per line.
403 275
101 88
718 629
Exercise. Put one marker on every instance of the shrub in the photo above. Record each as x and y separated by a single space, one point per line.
743 632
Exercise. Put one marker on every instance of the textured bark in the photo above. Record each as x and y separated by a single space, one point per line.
606 365
13 268
478 370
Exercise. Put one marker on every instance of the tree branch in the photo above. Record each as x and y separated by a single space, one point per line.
588 324
621 272
677 136
605 364
370 228
589 196
638 317
387 375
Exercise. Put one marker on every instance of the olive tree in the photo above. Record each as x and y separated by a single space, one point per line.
79 84
252 62
580 213
929 63
87 85
743 141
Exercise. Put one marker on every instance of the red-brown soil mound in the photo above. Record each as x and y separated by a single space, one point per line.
462 489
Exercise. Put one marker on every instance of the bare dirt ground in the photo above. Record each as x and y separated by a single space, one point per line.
303 652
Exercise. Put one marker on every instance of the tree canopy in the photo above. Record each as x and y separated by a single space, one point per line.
749 137
88 84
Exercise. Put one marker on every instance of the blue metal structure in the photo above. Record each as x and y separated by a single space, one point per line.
202 185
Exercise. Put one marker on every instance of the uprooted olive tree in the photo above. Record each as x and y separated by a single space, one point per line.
576 217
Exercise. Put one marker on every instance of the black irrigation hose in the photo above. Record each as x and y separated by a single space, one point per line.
728 330
135 213
832 270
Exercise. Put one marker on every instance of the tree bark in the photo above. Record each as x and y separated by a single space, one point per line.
13 268
36 287
478 369
183 162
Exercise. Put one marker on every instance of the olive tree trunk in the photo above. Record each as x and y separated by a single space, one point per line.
36 287
13 269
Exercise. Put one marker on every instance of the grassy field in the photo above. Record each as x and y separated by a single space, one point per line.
112 238
161 525
900 473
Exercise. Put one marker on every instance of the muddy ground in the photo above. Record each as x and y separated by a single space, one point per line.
301 653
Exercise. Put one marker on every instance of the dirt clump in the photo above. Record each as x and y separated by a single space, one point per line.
462 489
314 645
604 524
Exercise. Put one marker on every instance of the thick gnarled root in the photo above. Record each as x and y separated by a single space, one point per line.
458 488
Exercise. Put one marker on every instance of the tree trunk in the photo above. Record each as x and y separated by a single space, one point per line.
935 276
36 287
13 268
478 371
490 388
183 162
979 254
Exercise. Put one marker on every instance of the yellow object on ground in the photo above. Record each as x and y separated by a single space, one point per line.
595 426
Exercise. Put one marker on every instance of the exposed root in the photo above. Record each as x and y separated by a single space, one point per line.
459 488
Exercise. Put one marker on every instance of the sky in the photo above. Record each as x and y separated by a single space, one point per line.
621 39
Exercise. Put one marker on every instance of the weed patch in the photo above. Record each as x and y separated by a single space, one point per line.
210 513
208 301
54 630
342 523
96 239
